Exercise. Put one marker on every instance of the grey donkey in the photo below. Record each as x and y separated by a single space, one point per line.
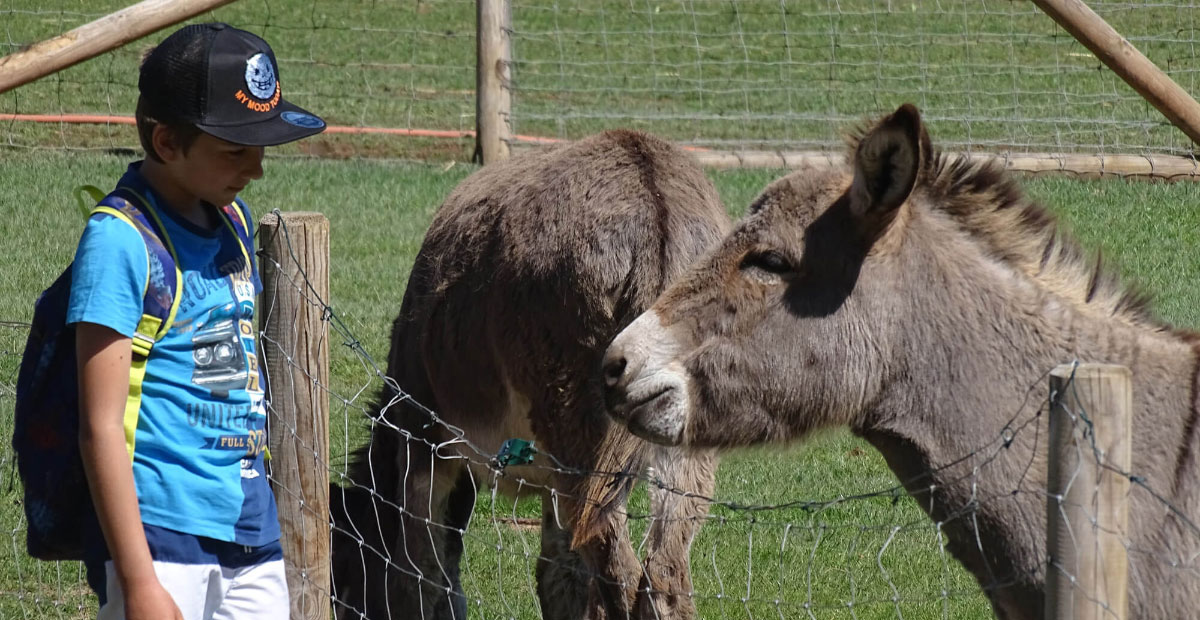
917 298
529 269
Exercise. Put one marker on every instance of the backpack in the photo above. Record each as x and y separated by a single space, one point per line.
46 419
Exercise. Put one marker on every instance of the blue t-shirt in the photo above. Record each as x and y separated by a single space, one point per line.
200 433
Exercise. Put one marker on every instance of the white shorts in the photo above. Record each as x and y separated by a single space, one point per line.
211 591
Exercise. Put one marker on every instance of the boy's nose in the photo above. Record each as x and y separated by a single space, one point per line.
256 158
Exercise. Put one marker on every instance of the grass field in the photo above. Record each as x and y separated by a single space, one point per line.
991 74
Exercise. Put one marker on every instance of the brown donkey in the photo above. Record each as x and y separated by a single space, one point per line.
529 269
918 299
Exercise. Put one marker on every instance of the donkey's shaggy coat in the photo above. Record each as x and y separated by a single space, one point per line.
529 269
920 300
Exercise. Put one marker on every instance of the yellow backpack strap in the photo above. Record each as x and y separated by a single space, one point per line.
151 327
235 218
141 343
82 193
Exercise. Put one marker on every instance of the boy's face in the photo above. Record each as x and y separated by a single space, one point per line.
212 169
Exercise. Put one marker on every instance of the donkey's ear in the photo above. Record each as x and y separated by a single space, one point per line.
886 165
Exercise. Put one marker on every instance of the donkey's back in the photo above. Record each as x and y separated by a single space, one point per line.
529 269
532 266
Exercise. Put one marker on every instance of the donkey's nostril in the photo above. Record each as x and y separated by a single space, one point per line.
613 371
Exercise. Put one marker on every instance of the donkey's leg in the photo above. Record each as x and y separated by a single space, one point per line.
562 579
459 506
610 560
366 572
358 540
597 579
427 553
676 515
589 505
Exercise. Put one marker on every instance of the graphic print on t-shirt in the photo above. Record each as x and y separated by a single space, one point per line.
225 359
218 353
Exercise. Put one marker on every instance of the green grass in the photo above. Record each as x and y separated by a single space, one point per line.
994 74
379 211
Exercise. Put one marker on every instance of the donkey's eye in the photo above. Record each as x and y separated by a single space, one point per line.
768 261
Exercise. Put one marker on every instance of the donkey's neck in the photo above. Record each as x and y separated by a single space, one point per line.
990 336
961 426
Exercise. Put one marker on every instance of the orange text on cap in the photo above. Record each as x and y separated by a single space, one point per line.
259 106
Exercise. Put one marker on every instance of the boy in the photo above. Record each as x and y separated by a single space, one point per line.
188 522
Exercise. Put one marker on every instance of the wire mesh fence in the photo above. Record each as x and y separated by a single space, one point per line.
860 545
867 549
995 75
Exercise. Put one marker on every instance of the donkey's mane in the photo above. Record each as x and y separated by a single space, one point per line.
989 205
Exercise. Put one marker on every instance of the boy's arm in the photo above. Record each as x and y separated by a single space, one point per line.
104 361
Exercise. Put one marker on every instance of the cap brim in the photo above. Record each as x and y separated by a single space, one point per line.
290 124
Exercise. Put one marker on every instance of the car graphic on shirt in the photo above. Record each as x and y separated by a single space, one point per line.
220 364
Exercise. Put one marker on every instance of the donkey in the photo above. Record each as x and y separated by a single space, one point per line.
917 298
529 269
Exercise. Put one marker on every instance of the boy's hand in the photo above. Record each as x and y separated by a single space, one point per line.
150 601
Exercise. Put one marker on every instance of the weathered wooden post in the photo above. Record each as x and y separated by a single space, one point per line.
1087 504
493 79
295 352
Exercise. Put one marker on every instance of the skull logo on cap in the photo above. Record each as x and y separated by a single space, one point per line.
260 76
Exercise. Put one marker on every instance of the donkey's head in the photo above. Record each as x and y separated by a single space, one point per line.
791 323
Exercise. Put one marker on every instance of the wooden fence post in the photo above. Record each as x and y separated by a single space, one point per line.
295 352
1087 503
493 79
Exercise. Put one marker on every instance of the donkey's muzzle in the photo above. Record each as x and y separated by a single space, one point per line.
645 387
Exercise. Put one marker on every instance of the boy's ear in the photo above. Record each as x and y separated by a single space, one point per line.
887 162
163 140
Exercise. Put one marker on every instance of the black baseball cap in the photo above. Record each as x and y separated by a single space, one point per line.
225 82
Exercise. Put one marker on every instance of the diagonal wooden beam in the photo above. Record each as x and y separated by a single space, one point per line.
1127 62
95 38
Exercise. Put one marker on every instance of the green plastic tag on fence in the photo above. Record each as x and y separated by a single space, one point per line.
515 452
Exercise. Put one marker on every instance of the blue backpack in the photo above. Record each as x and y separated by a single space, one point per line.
46 425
